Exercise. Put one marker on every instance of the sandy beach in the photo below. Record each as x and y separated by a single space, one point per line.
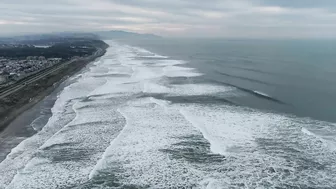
33 103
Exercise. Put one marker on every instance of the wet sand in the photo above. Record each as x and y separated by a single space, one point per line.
18 123
20 128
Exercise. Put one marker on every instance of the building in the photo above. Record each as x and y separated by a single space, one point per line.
14 69
14 76
41 58
3 79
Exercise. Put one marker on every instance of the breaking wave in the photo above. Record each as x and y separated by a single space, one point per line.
138 119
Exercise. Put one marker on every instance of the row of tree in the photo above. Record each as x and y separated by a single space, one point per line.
65 50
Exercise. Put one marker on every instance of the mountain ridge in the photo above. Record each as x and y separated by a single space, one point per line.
103 35
124 34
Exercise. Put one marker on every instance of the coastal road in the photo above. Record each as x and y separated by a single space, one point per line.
31 79
22 83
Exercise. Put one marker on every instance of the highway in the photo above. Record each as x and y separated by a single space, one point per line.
37 76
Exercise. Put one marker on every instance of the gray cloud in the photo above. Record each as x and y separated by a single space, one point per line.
302 4
192 18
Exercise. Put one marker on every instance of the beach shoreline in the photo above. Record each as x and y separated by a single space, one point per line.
20 101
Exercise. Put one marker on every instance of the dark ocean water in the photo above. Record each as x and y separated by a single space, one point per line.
299 73
176 113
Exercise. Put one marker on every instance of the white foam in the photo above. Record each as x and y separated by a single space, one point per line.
325 135
164 63
211 183
152 87
71 153
62 114
187 89
261 93
145 53
148 130
145 73
248 148
25 151
305 131
101 164
226 127
91 117
177 71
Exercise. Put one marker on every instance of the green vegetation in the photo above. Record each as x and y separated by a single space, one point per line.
65 50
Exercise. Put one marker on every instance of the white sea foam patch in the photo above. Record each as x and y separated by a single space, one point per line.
149 129
73 150
257 149
98 70
140 52
227 129
177 71
262 94
41 152
70 155
121 87
163 63
262 149
321 132
128 85
187 89
120 70
109 71
256 145
147 69
62 114
145 73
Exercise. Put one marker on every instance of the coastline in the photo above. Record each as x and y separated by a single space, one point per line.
33 93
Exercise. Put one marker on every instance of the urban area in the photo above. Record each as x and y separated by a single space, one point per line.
15 69
18 61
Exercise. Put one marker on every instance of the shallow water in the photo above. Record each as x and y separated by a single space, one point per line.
136 119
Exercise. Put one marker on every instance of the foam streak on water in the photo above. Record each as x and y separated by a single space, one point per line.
124 123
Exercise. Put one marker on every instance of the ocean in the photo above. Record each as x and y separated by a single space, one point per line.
185 113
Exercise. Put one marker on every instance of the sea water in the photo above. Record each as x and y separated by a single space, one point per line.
137 119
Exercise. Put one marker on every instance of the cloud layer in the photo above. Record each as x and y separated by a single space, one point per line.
191 18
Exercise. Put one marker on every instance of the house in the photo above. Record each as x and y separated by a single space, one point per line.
14 76
3 79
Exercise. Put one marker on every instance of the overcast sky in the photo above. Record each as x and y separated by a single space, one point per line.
185 18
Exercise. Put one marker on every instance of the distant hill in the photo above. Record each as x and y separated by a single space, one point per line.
116 34
43 39
46 38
